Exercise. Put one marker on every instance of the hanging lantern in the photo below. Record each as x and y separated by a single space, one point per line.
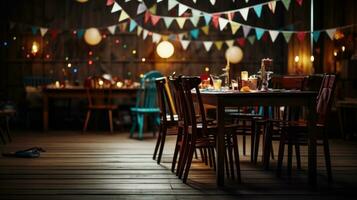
165 49
35 48
81 1
92 36
234 54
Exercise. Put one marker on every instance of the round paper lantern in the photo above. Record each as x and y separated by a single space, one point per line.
81 1
165 49
234 54
92 36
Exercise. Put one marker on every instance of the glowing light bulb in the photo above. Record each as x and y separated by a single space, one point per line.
100 82
335 53
296 59
207 69
343 48
69 65
35 48
133 52
141 75
143 59
312 58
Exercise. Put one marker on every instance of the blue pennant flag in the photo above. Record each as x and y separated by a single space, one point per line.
80 33
259 33
34 30
207 18
132 25
316 35
258 10
194 33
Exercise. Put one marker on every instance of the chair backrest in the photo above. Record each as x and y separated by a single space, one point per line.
177 94
164 100
98 96
190 84
325 97
146 96
287 82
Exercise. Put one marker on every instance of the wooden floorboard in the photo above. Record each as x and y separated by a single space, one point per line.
101 165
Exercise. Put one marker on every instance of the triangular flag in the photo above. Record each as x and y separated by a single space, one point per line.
246 30
272 6
139 30
251 39
286 3
287 36
234 27
147 16
181 35
34 30
145 34
213 2
207 18
244 12
222 23
241 41
111 29
132 25
196 12
218 44
246 1
110 2
184 43
229 43
259 33
300 36
230 16
153 9
123 16
141 8
168 21
194 33
273 35
156 37
195 19
194 1
171 4
299 2
182 9
258 10
181 21
54 33
207 45
43 31
171 37
205 30
80 33
331 33
116 7
316 35
158 1
215 20
155 19
122 26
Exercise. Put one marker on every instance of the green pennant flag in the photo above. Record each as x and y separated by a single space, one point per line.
251 39
286 3
153 9
287 36
168 21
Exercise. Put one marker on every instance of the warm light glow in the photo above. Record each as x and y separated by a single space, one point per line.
92 36
343 48
165 49
81 1
244 75
297 59
100 82
234 54
35 47
120 84
69 65
133 52
207 69
14 38
312 58
90 62
335 53
143 59
57 84
141 75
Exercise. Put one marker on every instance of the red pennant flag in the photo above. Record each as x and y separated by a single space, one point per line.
154 19
147 16
300 36
299 2
215 21
54 33
230 16
265 37
110 2
241 42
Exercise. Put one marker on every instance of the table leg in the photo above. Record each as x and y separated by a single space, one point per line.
312 163
45 112
220 145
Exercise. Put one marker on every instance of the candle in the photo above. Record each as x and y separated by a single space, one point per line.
57 84
244 75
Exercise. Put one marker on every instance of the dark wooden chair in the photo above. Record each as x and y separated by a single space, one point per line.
295 133
5 115
99 99
168 117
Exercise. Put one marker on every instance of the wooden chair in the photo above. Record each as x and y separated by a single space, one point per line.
99 99
5 115
295 133
168 117
146 104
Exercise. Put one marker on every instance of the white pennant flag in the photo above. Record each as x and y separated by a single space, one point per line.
145 34
195 20
182 9
127 1
222 23
213 2
246 30
156 37
194 1
123 16
244 12
207 45
168 21
139 30
116 7
229 43
196 12
171 4
272 6
43 31
184 43
158 1
331 33
141 8
181 21
274 35
111 29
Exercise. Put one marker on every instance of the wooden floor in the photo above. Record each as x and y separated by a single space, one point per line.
111 166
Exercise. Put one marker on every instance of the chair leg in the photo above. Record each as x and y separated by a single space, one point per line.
281 154
133 127
206 156
177 147
87 120
189 162
183 157
267 146
230 155
158 142
213 157
256 143
298 157
2 135
163 138
110 115
252 139
290 156
141 126
196 156
7 121
236 156
226 163
327 157
244 144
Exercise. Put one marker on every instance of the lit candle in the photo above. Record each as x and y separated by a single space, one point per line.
244 75
57 84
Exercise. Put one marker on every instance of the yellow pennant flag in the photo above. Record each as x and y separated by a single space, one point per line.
218 44
153 9
205 30
234 27
181 21
123 16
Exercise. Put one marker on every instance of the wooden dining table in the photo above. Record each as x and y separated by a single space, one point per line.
223 99
78 93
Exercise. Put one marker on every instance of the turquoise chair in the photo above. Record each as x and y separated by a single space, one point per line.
146 104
